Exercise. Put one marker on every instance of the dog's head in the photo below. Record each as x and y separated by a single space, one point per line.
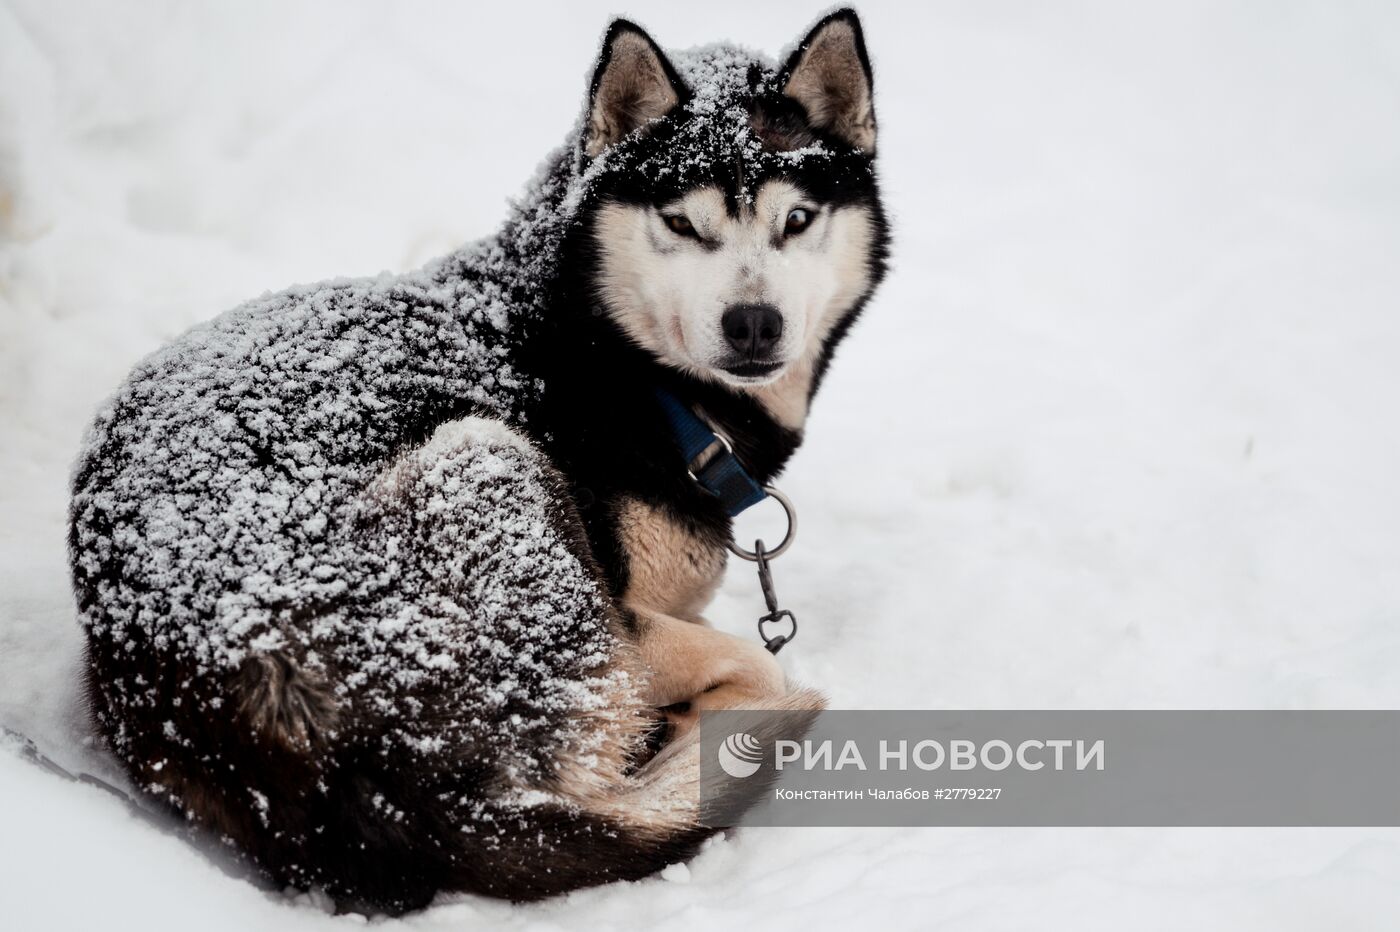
738 223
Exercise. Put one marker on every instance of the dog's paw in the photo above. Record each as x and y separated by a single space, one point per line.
749 677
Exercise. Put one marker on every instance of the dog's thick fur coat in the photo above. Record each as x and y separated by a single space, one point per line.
384 579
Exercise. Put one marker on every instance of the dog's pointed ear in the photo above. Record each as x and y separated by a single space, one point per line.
633 84
829 75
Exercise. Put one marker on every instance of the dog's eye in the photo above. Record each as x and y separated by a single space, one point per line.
798 219
680 225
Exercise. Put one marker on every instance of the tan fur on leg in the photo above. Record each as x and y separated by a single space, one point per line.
670 569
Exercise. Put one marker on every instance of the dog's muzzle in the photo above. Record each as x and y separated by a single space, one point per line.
752 332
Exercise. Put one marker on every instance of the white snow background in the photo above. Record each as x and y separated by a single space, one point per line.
1120 430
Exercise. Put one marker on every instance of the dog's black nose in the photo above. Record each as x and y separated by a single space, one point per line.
752 329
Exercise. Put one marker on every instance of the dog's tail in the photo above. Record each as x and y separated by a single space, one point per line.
381 835
658 816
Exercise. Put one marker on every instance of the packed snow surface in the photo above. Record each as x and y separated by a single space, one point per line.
1118 432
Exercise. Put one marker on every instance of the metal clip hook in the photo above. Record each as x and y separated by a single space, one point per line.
770 598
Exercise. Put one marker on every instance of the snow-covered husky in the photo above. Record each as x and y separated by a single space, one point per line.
388 582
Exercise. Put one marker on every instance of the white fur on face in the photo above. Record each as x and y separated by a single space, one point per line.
668 292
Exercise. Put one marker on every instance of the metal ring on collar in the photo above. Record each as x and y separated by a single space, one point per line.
723 441
752 555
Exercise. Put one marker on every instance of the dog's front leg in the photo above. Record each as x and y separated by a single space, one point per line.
695 668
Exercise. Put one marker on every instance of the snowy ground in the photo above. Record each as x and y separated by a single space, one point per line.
1119 432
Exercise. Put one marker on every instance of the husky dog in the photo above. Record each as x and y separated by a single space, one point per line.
385 580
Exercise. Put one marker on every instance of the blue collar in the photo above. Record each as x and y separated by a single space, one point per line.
721 474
